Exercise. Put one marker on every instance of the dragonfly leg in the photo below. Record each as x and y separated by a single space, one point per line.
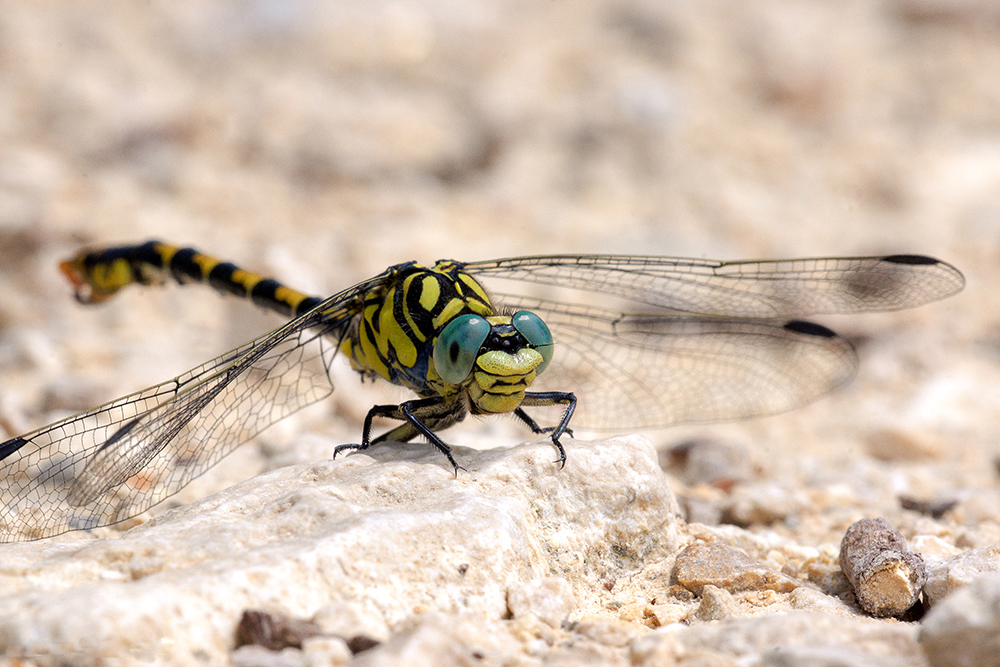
437 410
387 411
528 421
537 398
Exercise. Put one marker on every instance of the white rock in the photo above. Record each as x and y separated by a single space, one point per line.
257 656
717 604
827 656
345 619
763 640
932 548
325 652
950 574
964 629
395 533
814 600
441 639
549 598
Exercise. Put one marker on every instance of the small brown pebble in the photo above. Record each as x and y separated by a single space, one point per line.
726 567
276 632
885 576
361 643
273 631
717 604
932 508
894 444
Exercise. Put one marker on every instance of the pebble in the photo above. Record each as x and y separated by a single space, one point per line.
897 444
963 630
549 598
716 604
713 462
722 566
948 575
608 632
886 577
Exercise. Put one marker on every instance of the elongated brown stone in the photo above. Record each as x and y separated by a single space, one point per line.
886 577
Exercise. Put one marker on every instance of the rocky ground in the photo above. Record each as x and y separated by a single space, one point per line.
321 142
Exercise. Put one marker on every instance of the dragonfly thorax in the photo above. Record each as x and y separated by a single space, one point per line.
394 331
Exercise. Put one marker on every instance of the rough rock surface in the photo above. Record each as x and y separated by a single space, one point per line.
886 577
950 574
793 638
396 537
320 142
723 566
964 629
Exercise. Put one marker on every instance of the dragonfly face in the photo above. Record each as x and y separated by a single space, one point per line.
495 358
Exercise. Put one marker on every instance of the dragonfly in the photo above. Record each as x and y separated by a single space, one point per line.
602 341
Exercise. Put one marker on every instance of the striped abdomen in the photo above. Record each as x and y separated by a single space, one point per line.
99 274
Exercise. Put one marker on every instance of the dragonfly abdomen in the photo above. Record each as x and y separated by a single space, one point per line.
97 275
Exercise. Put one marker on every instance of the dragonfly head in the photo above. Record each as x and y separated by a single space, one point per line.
496 358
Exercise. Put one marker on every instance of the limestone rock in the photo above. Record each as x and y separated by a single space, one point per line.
713 462
550 599
964 629
950 574
394 532
898 444
726 567
716 604
794 638
439 639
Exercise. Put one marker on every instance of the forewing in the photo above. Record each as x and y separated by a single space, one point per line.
754 289
653 341
115 461
652 370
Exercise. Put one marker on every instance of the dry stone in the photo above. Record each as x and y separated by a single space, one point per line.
394 533
963 630
726 567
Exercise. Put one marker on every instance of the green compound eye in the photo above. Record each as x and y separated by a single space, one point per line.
456 348
537 334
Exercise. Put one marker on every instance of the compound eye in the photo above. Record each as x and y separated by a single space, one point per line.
537 333
456 349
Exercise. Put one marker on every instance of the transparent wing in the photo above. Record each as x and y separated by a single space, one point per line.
764 289
652 370
115 461
715 341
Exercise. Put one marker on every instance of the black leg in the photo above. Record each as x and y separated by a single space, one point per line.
408 408
533 425
533 398
387 411
407 411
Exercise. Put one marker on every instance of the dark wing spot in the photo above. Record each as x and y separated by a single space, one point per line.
120 433
809 329
11 446
910 259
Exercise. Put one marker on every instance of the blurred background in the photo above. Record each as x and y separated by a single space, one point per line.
320 142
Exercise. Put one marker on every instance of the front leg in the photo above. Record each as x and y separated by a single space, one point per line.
534 398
